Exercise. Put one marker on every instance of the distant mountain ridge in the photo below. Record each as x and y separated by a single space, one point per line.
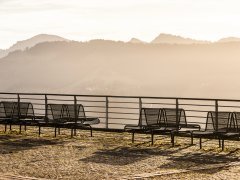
173 39
229 39
135 40
163 38
28 43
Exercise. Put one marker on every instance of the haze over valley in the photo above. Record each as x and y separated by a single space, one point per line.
167 66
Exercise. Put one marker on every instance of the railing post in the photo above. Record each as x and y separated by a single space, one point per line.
107 106
46 106
216 112
140 110
140 104
177 107
75 109
19 112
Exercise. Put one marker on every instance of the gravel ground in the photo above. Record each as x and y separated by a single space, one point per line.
113 156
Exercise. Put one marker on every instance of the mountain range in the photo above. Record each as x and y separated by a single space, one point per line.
161 39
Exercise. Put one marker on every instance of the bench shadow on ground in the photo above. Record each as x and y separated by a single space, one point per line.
12 144
127 155
193 160
121 156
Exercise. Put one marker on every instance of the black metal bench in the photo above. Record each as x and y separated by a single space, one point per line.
149 119
233 130
78 119
17 113
218 126
53 118
68 116
6 109
175 123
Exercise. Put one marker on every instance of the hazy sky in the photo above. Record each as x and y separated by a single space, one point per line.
118 19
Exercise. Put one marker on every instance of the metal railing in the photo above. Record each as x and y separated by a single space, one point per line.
115 112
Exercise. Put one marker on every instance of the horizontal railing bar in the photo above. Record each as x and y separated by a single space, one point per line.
89 101
193 110
119 107
34 104
95 112
96 106
159 103
116 124
111 96
229 106
61 100
38 104
112 112
196 117
196 105
195 122
39 109
123 118
118 102
38 99
7 98
103 117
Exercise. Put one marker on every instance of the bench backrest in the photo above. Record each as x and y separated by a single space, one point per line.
70 111
223 123
6 109
150 116
65 112
23 110
173 117
236 118
55 112
16 110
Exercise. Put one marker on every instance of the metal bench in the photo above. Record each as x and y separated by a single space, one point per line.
68 116
233 130
75 115
174 123
17 113
218 126
149 119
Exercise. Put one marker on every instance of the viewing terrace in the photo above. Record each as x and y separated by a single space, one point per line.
71 136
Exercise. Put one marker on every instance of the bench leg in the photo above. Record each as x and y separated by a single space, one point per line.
200 142
152 137
5 128
75 132
25 127
91 131
172 139
55 135
10 127
71 133
219 142
39 131
20 129
133 137
222 144
191 138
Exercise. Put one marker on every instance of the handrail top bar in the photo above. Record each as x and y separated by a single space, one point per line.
114 96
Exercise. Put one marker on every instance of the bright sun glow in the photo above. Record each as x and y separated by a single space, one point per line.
118 20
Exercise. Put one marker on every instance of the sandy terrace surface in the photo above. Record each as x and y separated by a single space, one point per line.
113 156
